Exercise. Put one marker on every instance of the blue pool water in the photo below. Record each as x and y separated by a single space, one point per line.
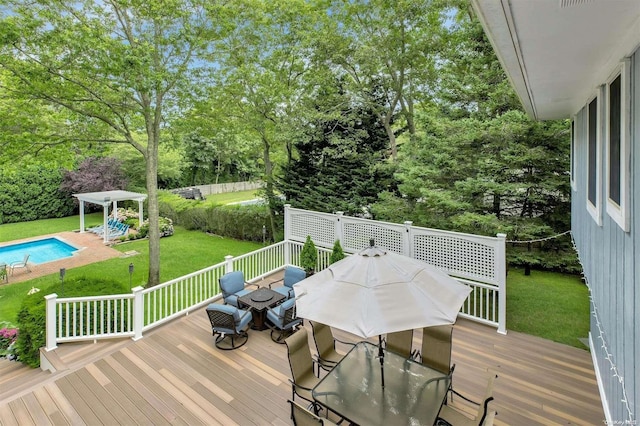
40 251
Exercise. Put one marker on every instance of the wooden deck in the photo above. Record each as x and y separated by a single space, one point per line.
175 375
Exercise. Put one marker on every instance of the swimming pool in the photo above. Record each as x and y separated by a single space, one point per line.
40 251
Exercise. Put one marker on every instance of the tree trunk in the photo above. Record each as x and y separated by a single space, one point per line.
386 121
268 173
153 210
496 205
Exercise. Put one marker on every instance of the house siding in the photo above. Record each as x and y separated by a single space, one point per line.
611 262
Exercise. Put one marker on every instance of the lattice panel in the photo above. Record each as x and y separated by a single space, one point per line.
321 229
457 256
356 236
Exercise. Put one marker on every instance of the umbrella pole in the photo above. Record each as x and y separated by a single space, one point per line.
381 356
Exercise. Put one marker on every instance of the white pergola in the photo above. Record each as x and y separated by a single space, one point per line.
105 198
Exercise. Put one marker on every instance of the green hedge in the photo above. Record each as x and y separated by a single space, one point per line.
32 193
234 221
31 317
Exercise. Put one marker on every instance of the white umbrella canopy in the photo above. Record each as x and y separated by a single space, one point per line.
375 292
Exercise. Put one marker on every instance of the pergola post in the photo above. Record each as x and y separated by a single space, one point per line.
105 219
140 213
82 231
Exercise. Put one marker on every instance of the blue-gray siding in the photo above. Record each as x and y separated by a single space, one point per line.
611 261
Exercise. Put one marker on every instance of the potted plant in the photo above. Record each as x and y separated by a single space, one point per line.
337 253
309 256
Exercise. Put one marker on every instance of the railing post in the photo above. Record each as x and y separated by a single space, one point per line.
501 275
228 267
138 312
50 313
408 246
339 230
287 222
287 252
287 234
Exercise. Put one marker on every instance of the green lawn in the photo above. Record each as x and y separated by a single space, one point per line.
233 197
550 305
15 231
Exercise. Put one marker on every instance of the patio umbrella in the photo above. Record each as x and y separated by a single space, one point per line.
375 292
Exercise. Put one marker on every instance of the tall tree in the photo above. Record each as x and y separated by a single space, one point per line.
471 81
389 50
122 66
341 160
479 164
262 76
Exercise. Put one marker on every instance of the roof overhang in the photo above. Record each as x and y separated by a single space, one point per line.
557 52
105 198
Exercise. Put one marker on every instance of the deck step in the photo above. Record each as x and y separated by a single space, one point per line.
51 361
18 378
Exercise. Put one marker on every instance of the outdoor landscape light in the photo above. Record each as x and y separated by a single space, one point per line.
62 272
130 274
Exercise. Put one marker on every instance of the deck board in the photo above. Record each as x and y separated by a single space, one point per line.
175 375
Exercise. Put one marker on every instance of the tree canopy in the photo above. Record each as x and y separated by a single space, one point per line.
395 109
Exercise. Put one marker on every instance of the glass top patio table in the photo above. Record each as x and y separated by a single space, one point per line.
412 395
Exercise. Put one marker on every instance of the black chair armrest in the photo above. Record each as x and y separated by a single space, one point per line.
326 364
281 280
343 342
299 386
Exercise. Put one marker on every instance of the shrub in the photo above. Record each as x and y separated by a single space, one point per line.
236 221
337 253
164 223
309 256
32 321
32 193
233 221
8 337
128 216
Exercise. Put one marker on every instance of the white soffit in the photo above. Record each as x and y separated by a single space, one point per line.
557 52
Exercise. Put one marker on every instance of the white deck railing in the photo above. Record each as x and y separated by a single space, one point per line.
130 315
476 261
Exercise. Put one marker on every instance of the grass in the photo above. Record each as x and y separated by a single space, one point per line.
233 197
549 305
15 231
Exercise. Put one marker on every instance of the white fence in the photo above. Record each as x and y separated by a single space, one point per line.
476 261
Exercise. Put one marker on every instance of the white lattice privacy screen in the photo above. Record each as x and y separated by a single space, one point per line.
320 226
457 256
475 260
356 235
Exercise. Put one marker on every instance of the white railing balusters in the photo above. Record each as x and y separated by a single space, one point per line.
476 261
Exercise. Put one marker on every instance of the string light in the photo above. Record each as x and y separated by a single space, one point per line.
539 239
605 349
